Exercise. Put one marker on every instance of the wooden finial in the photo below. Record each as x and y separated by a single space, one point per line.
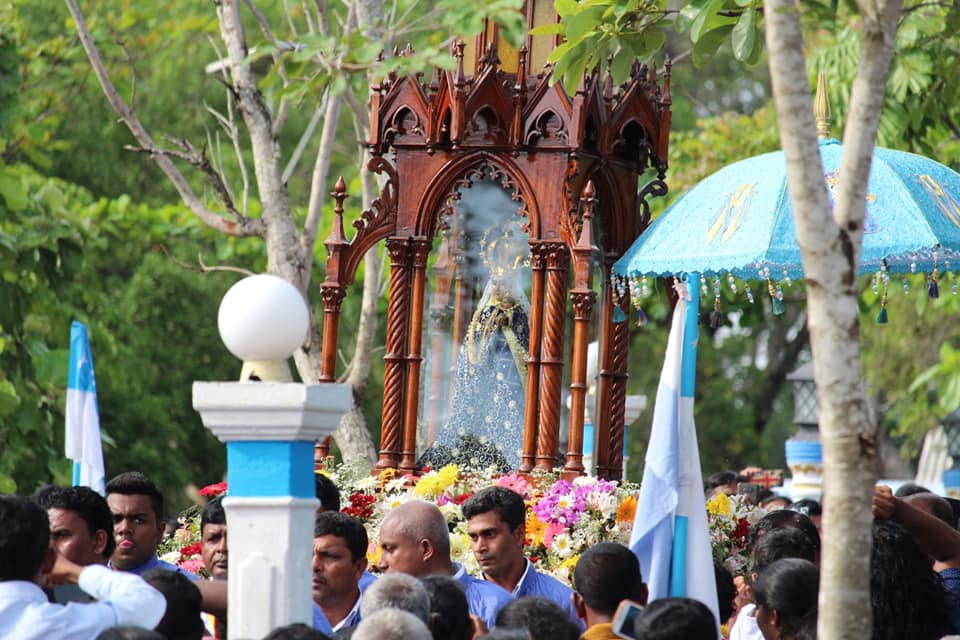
339 194
460 77
821 108
666 99
587 201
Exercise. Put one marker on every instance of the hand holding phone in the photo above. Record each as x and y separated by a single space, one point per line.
623 619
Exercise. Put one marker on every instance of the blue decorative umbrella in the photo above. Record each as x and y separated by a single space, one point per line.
739 221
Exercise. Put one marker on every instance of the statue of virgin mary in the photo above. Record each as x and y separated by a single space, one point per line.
485 428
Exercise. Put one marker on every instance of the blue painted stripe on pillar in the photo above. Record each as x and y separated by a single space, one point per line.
257 468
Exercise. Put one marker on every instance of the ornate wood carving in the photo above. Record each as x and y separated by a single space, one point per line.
531 415
420 249
332 298
583 298
393 360
543 147
551 358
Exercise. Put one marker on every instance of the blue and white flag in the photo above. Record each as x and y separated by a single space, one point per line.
83 420
670 534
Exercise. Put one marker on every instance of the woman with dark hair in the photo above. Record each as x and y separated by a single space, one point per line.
786 597
907 596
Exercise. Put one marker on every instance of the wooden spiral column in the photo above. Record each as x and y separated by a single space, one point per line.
551 357
583 297
408 459
393 360
618 398
538 259
605 374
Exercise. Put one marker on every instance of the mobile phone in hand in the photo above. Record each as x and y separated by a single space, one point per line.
623 619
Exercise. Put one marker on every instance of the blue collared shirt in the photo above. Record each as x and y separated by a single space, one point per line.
320 622
353 618
485 599
366 580
156 563
534 583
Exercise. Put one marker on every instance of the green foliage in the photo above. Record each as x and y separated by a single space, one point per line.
921 109
40 246
65 256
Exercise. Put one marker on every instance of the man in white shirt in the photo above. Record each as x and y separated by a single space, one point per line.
27 561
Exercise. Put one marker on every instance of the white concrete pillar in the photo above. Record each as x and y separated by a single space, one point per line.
270 430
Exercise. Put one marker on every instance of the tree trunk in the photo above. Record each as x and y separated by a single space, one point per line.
831 251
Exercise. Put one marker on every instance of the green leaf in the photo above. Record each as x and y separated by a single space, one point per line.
9 400
13 191
744 35
620 67
705 19
707 46
558 54
51 368
583 23
566 8
7 484
552 29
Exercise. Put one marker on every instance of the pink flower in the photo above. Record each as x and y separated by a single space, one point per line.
553 529
193 565
517 483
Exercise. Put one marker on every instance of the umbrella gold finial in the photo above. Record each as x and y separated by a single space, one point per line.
821 108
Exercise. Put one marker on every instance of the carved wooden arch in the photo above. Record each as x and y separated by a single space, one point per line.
462 172
614 211
373 225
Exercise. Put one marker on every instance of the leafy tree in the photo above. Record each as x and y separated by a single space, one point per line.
318 56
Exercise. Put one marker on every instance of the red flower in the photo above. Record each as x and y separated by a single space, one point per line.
361 505
463 497
742 530
190 550
213 490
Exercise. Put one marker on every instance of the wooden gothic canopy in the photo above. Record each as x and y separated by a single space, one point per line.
574 164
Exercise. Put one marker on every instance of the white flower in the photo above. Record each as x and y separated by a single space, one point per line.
460 547
367 483
451 512
562 546
393 501
172 557
397 484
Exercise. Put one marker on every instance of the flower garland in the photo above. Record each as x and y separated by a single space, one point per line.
564 518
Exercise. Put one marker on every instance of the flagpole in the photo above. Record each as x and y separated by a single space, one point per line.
688 376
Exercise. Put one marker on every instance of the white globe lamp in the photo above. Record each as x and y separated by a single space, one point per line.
262 320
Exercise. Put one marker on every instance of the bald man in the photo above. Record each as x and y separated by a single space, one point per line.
414 539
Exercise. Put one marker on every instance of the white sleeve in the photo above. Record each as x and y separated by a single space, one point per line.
133 601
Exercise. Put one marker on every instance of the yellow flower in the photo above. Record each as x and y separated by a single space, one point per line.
570 562
434 484
535 529
627 509
719 505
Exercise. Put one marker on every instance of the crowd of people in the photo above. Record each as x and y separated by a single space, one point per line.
76 565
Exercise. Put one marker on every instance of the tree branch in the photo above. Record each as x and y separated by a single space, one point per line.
241 227
284 257
198 159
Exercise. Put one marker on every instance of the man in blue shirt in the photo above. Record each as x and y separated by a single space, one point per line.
414 539
137 507
496 519
339 560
